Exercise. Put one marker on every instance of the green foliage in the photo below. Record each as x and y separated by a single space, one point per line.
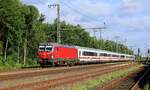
147 85
9 64
1 61
11 20
138 58
31 61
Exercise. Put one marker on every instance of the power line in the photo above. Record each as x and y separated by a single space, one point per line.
79 12
39 1
58 20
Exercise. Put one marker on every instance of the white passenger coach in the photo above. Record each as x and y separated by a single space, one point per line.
97 55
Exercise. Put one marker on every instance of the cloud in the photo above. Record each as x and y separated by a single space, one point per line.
134 6
94 8
71 18
130 4
132 23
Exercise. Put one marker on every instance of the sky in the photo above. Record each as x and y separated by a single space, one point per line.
127 21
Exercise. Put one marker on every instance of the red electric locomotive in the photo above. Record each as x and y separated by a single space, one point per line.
56 54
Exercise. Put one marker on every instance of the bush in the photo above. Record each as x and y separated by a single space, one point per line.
1 61
10 63
31 61
17 66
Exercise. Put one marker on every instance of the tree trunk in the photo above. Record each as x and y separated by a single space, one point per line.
6 46
18 54
25 52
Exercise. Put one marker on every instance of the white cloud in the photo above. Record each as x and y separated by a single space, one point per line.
87 13
130 4
72 18
134 6
136 23
91 8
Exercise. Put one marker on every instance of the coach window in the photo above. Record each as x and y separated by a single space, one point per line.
109 55
102 54
122 56
105 54
85 53
115 56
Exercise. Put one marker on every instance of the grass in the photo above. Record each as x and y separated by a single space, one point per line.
10 67
101 80
147 86
146 83
11 64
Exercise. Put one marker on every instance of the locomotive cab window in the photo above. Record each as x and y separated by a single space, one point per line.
45 48
41 48
48 48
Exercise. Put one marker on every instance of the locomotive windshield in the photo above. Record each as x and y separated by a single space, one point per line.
41 48
48 48
45 48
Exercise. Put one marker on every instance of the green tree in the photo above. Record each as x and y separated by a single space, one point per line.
11 22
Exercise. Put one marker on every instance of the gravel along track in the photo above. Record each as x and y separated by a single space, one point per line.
127 82
57 79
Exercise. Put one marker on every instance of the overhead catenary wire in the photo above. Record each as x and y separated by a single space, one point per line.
71 6
38 1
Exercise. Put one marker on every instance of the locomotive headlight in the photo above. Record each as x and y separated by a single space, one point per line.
52 56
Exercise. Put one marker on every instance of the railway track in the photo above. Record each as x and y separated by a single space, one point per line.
31 72
26 68
85 74
129 82
136 86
